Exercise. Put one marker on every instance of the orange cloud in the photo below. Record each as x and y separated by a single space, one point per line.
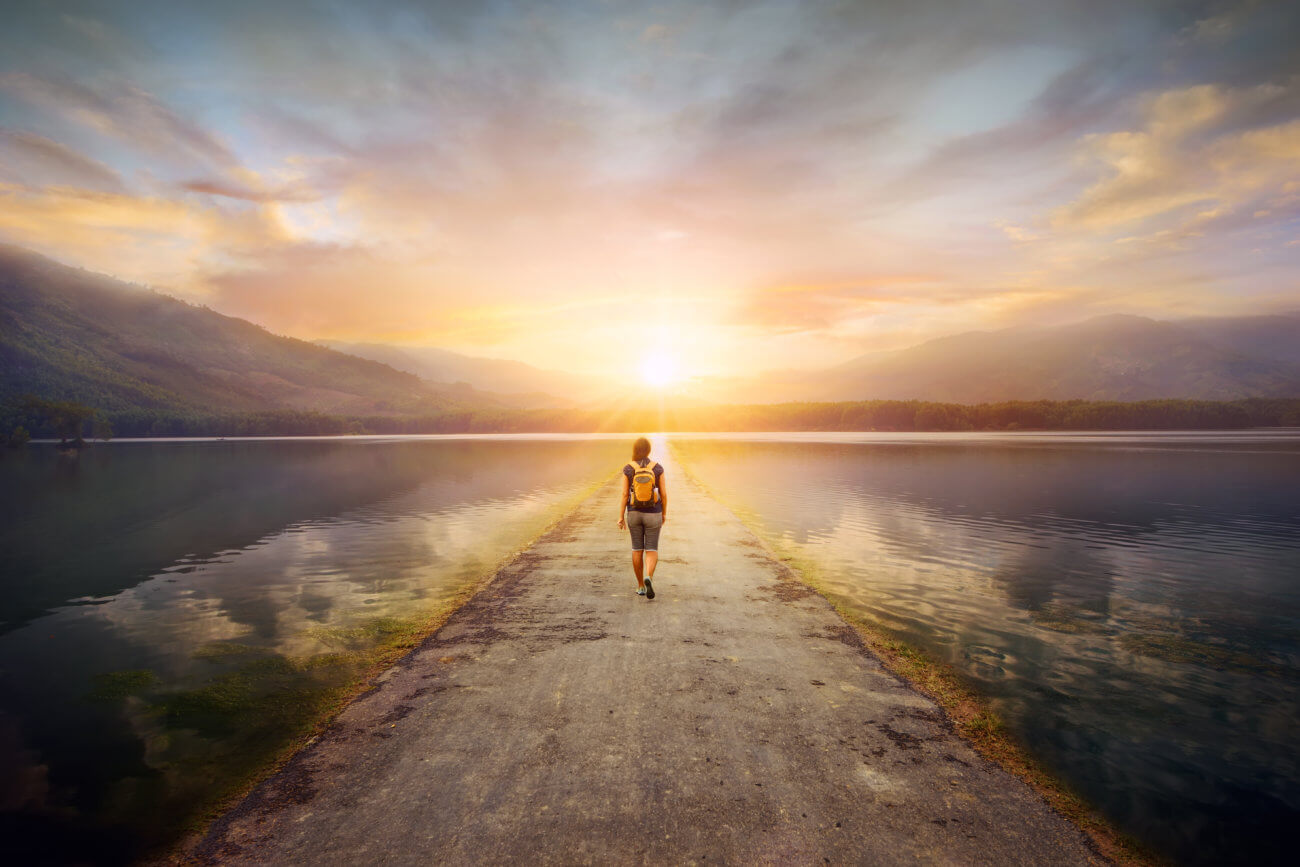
1187 154
143 238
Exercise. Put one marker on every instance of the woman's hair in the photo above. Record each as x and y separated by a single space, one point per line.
640 448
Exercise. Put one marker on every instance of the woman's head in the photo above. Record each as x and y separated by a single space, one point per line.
640 449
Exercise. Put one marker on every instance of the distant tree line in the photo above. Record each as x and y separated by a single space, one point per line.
72 422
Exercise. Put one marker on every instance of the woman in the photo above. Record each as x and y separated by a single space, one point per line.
645 501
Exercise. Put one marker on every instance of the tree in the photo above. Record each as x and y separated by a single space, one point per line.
65 418
19 437
103 428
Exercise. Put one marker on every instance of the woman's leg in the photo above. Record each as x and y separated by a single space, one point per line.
651 560
636 527
653 523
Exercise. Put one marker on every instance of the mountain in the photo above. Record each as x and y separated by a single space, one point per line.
513 383
1276 337
70 334
1105 358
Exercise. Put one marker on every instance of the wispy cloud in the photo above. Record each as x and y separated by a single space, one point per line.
249 188
28 156
122 111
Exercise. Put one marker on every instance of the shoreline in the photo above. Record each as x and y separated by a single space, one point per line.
1275 433
667 413
970 713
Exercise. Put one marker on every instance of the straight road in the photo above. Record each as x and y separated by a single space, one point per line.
560 718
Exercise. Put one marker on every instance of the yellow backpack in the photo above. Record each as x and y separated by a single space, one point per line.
642 491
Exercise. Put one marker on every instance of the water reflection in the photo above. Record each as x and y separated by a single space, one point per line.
166 606
1129 605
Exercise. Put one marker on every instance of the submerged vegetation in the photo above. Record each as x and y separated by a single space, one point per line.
250 709
117 685
869 415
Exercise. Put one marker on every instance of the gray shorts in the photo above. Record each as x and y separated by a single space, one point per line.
645 529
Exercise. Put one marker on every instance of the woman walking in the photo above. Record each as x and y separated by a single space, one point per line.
645 501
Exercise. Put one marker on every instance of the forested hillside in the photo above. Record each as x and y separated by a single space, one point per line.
67 334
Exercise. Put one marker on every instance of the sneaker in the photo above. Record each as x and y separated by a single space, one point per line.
640 591
649 589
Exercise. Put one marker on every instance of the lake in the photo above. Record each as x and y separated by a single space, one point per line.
174 614
1129 603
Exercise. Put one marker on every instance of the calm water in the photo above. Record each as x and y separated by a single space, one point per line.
1131 604
168 610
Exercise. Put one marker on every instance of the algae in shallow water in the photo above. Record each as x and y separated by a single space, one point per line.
368 634
1180 649
117 685
270 695
220 650
1061 618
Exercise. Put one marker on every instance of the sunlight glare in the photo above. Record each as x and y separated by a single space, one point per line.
659 370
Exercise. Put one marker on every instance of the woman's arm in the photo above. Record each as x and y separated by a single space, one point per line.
663 494
622 501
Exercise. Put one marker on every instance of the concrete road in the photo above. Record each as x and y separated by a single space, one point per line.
560 718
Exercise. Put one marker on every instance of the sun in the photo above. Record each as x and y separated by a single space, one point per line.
659 370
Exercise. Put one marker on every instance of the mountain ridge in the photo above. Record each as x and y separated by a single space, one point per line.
1108 357
66 333
70 334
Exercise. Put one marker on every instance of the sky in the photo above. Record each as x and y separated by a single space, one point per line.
746 185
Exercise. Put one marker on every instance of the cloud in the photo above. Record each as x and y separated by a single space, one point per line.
91 29
252 190
34 156
148 239
1017 233
1076 100
342 292
122 111
1214 29
654 33
821 307
821 172
1190 157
